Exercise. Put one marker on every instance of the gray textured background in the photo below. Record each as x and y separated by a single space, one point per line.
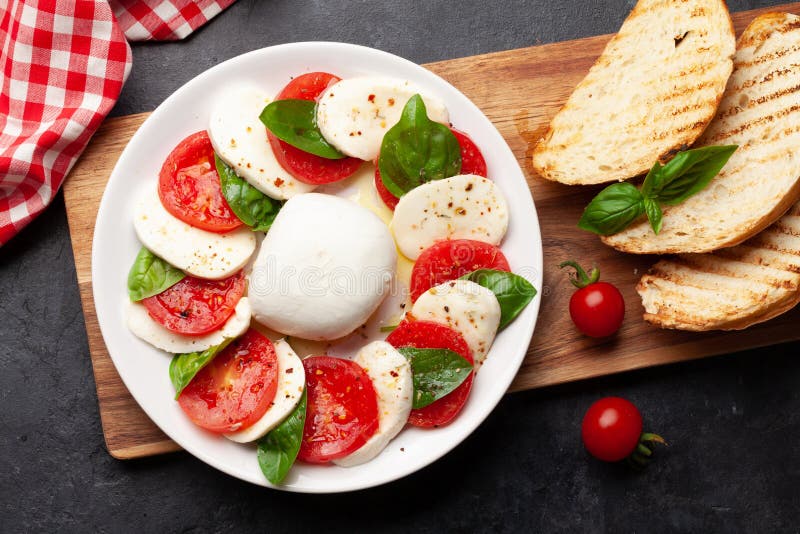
733 421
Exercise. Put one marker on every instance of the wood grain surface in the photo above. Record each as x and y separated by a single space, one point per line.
519 90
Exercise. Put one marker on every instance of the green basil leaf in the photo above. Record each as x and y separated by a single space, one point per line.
652 180
513 292
653 211
251 206
436 373
613 209
417 150
688 173
295 121
184 367
150 275
278 450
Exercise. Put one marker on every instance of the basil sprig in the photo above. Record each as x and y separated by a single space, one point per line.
417 150
688 173
150 275
184 367
251 206
513 292
278 450
295 121
436 373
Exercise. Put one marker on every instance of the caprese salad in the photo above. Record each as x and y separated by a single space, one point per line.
249 254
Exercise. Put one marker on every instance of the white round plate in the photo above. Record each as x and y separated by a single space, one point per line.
144 369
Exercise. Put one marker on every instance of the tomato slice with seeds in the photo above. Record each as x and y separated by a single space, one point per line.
236 388
189 188
452 259
342 410
472 162
309 168
430 335
195 306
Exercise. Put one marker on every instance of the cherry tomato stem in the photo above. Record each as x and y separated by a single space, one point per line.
581 279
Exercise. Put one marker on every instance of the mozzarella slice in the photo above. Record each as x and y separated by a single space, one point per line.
466 307
324 267
354 114
460 207
240 139
391 377
144 327
291 381
195 251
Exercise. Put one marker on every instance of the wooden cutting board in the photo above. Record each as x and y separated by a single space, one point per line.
519 90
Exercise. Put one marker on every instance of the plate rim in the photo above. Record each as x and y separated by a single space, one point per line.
473 424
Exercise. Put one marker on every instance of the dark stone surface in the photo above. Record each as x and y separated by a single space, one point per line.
733 422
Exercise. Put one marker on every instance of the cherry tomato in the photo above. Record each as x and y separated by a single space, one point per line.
189 188
342 412
611 429
236 388
596 308
196 306
452 259
472 162
429 335
307 167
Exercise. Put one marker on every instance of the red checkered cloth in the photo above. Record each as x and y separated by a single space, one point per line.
145 20
63 64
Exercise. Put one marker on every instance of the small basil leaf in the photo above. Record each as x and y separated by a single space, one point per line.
295 121
689 172
653 211
513 292
436 373
184 367
278 450
251 206
652 180
613 209
150 275
417 150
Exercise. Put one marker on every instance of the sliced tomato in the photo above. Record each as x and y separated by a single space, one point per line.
307 86
388 198
195 306
342 412
189 187
429 335
236 388
452 259
307 167
472 162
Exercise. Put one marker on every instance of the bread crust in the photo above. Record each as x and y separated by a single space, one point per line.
760 112
674 102
753 282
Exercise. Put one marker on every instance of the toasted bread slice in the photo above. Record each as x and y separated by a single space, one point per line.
730 289
651 93
760 112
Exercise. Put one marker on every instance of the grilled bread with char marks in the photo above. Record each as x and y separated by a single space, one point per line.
651 93
730 289
760 112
